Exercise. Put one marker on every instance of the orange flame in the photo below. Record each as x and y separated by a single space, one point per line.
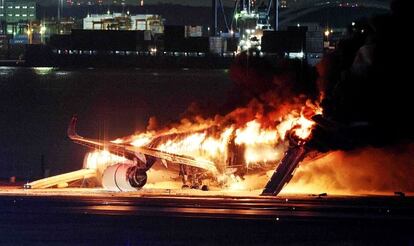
101 159
142 139
261 140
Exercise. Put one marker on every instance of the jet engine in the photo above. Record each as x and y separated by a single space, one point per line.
124 177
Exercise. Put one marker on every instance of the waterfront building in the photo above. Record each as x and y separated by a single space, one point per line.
16 15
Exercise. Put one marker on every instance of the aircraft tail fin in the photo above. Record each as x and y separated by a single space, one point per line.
72 127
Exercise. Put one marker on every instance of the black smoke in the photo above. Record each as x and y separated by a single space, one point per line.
366 84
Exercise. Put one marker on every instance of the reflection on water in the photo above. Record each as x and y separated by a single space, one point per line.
43 70
7 71
62 73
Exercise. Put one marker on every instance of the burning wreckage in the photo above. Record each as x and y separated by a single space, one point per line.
212 155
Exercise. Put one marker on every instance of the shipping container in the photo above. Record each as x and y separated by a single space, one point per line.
292 41
218 45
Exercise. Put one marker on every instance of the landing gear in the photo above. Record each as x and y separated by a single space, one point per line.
137 177
191 178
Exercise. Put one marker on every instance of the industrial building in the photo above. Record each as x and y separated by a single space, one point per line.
252 31
121 21
4 46
15 15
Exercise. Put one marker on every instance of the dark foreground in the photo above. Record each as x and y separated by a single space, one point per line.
157 219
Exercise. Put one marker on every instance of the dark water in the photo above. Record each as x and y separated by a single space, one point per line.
36 105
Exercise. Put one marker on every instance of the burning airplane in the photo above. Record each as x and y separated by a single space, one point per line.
209 153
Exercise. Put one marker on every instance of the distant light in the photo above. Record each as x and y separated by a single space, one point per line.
298 25
108 12
353 23
248 44
327 33
296 55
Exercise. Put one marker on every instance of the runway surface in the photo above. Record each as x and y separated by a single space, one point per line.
201 204
168 217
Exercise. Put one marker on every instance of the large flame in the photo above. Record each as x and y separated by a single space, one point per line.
255 143
99 160
260 143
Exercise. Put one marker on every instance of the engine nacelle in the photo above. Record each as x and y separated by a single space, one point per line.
123 177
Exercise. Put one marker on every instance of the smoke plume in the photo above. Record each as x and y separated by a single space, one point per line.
365 85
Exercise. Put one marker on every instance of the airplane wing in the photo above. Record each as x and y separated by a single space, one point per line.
132 152
61 179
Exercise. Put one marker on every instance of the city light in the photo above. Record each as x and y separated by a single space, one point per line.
42 29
